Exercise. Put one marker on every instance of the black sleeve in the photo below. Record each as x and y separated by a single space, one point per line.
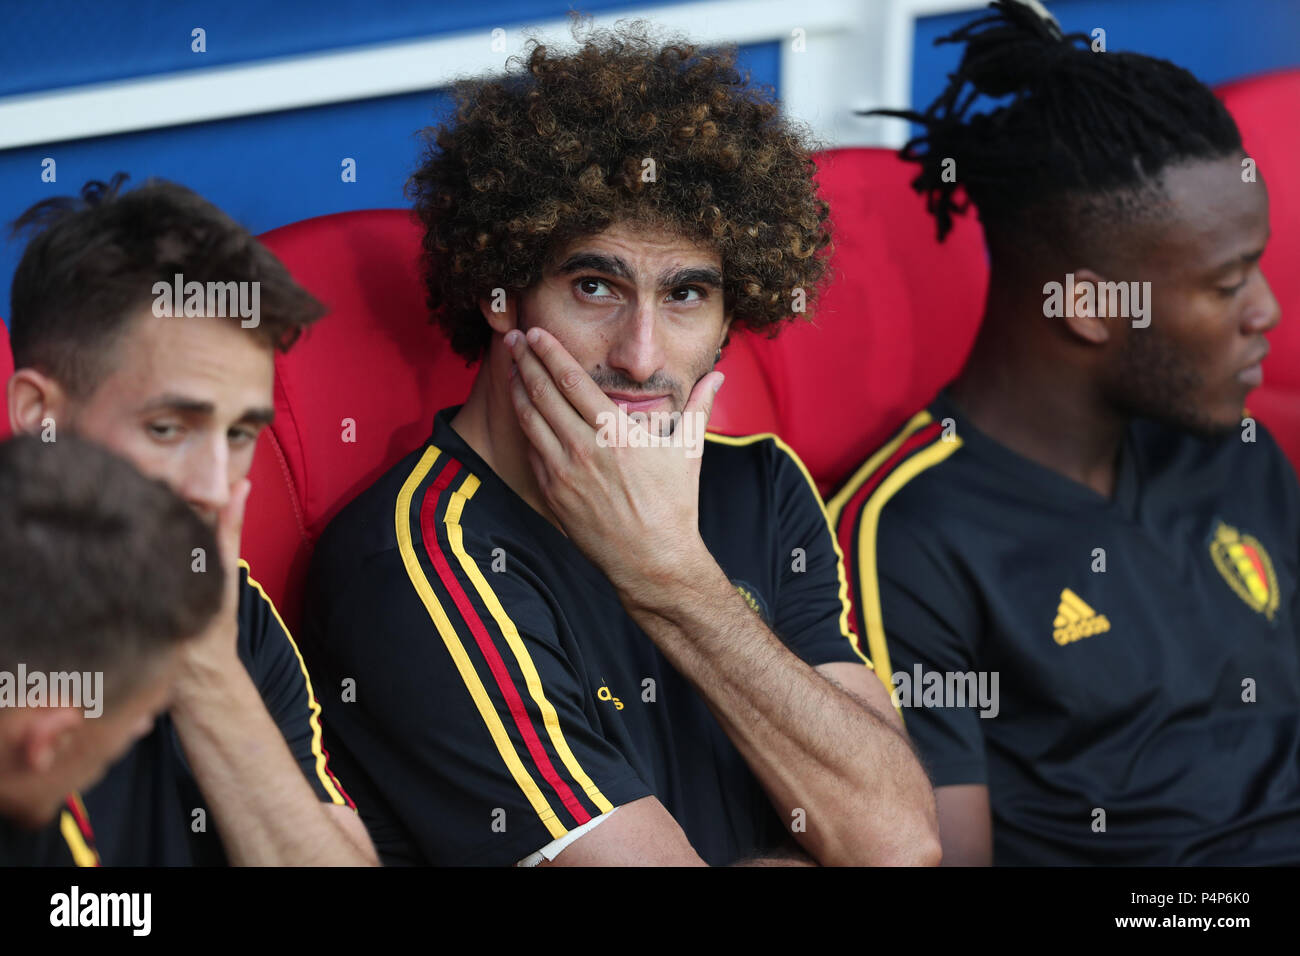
812 612
280 675
469 718
914 611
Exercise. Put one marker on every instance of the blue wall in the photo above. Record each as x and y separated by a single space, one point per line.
272 169
264 170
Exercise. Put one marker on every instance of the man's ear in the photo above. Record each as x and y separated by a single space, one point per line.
34 399
49 736
1085 319
499 310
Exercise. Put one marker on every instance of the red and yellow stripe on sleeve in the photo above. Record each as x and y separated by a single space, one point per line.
485 646
74 824
856 509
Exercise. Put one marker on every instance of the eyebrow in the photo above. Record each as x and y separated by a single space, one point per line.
616 266
193 406
1246 258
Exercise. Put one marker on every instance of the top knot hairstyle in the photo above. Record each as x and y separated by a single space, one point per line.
556 150
1084 132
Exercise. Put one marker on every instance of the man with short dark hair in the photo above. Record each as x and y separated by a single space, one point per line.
148 321
99 594
580 633
1082 523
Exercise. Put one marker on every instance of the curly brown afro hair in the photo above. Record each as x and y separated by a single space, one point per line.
553 151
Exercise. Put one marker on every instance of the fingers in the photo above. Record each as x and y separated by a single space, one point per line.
570 380
535 427
548 396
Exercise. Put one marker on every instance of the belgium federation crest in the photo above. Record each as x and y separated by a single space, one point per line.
1247 568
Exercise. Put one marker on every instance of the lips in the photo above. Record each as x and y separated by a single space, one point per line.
1253 374
636 403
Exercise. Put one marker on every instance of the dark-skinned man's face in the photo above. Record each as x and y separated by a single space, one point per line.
1193 366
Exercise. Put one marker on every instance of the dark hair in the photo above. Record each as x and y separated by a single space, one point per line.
554 151
98 562
94 261
1079 125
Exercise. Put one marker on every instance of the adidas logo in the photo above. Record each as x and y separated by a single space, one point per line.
1076 620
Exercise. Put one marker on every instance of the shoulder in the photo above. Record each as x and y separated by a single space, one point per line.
764 458
911 475
368 523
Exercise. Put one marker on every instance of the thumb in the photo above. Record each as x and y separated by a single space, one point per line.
230 522
698 411
704 396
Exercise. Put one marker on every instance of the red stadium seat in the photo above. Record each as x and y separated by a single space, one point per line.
1267 110
896 321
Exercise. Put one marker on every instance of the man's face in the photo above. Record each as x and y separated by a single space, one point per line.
1194 364
184 402
640 310
84 752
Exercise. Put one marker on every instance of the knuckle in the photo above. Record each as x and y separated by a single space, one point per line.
571 379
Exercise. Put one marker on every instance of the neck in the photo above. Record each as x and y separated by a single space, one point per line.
1024 387
488 424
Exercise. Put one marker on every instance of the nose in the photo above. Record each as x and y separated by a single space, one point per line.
637 351
1263 312
205 475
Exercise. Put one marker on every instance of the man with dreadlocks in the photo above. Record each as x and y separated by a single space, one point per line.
583 646
1082 519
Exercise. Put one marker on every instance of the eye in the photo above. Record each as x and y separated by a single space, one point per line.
591 288
163 431
1229 291
243 435
684 294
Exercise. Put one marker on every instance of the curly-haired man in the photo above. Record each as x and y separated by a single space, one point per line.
578 635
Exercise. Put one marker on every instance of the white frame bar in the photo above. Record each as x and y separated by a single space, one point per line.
857 54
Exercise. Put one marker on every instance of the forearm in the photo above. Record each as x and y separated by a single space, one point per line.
842 776
263 807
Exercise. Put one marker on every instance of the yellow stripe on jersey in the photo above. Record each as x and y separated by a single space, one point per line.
507 627
839 500
742 440
868 583
313 705
82 853
456 648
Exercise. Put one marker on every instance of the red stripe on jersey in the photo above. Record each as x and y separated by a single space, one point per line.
83 824
428 530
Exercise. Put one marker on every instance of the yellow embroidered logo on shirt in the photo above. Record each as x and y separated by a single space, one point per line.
1247 568
1075 620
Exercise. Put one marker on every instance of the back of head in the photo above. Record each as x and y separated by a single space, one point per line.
1075 148
94 261
625 128
100 571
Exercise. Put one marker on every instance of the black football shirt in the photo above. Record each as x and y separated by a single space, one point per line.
148 810
502 695
1145 647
